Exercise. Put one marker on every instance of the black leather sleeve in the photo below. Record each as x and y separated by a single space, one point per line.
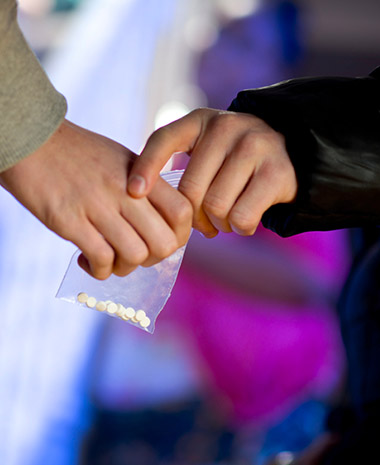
332 131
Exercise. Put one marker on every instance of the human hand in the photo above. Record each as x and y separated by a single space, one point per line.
238 168
76 184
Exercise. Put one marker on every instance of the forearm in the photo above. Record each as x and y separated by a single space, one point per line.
30 108
332 131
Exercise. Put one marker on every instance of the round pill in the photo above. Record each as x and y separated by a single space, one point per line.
140 315
145 322
112 308
101 306
120 310
130 312
91 302
82 297
124 316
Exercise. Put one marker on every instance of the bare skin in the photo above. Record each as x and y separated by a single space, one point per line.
238 168
76 184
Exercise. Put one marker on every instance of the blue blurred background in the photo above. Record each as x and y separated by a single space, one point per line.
247 360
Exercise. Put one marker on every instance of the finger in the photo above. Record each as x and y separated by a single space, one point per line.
129 248
259 195
151 227
206 160
179 136
81 231
84 264
98 256
228 184
175 208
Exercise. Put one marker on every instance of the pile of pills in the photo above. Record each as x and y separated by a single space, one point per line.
125 313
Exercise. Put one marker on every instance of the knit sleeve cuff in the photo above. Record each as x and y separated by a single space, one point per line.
30 107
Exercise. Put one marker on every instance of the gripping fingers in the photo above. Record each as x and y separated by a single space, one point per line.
204 165
179 136
152 229
228 185
102 260
175 208
98 256
130 249
259 195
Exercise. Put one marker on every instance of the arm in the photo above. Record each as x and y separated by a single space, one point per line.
75 181
328 129
31 109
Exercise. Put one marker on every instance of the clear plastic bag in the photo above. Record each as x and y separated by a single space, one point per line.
137 298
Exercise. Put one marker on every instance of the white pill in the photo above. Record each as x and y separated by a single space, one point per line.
112 307
101 306
145 322
91 302
129 312
120 310
82 297
124 316
140 315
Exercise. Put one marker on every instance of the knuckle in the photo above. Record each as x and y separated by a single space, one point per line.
274 173
102 257
191 189
197 112
136 255
222 121
183 211
215 205
269 142
56 220
122 270
243 221
166 248
263 141
256 142
276 137
250 143
157 134
201 113
205 227
160 135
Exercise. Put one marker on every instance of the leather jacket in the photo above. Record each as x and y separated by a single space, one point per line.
332 131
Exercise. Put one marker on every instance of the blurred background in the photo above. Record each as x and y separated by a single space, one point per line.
246 361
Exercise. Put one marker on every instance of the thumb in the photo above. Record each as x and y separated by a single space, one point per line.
179 136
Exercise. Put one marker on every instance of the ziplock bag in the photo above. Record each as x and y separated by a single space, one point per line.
137 298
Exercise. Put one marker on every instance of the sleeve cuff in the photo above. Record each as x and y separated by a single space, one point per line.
30 106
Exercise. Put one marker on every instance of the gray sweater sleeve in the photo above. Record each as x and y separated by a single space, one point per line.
30 107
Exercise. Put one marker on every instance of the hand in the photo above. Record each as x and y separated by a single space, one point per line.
76 184
238 168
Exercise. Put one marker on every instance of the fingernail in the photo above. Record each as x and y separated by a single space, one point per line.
137 184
